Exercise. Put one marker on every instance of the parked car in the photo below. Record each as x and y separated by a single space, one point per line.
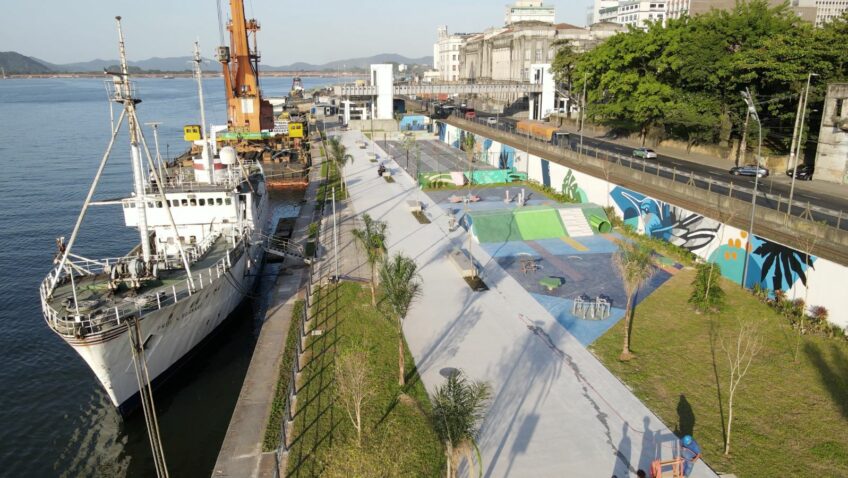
804 172
749 170
470 114
645 153
492 120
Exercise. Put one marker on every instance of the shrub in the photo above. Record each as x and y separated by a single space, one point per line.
313 230
707 294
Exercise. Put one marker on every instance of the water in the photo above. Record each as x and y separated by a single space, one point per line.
55 419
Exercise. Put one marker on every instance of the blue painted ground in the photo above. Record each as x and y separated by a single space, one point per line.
585 331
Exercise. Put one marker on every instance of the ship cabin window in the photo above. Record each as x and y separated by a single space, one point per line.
228 201
170 240
192 239
193 202
201 201
219 201
185 202
159 204
210 201
174 203
150 204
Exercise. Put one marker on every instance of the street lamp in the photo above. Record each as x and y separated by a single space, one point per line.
752 112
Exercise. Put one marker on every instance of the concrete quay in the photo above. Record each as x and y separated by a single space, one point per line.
556 411
241 453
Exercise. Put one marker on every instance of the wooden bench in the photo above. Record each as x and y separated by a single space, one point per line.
463 263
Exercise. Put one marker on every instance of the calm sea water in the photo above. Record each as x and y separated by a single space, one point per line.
55 420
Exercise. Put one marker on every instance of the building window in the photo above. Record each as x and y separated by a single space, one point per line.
202 202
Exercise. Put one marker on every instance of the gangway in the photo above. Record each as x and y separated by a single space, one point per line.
286 248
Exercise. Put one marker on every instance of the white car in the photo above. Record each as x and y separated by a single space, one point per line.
491 120
644 153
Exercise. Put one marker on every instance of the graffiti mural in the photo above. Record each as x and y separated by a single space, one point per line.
571 190
771 265
662 220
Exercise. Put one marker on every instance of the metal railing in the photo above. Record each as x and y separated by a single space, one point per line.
102 318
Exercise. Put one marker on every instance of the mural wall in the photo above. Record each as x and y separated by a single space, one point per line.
770 264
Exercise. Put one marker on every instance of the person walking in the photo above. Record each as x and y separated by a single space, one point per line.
690 451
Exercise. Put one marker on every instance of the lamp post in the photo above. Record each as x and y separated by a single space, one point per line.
582 115
795 148
752 112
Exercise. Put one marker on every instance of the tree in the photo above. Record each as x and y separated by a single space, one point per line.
707 294
458 408
408 144
563 67
372 239
353 385
635 266
338 156
401 286
740 351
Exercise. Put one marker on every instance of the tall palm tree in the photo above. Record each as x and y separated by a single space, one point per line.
401 285
338 156
635 266
458 408
372 238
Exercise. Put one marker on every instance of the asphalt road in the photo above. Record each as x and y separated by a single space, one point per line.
773 193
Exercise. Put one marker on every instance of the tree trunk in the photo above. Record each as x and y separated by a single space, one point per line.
625 348
729 422
401 380
743 143
449 456
373 286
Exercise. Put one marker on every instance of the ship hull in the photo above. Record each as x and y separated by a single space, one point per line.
169 334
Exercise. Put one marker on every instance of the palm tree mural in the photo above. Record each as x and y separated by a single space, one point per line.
783 263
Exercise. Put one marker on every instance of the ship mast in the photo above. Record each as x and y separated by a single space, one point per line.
205 153
123 94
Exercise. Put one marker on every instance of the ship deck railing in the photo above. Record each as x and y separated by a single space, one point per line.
180 179
83 317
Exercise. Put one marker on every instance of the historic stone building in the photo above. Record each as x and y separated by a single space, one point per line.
832 151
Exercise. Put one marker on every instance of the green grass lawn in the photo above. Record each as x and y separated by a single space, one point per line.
790 419
398 439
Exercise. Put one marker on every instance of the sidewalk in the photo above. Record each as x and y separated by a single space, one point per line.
555 409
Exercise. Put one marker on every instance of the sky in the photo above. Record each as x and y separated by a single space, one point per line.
313 31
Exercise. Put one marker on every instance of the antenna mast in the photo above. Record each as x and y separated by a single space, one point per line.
123 95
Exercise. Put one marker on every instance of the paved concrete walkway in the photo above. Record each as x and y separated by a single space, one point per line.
241 453
556 411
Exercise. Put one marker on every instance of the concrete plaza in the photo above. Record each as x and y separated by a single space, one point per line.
555 410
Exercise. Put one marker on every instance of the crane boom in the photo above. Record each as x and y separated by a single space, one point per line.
246 110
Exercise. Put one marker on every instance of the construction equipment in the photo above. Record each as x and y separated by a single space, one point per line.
246 110
667 468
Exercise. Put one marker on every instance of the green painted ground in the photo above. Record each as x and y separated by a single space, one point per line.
495 226
539 223
790 419
398 439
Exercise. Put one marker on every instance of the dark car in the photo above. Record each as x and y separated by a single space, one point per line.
803 172
749 170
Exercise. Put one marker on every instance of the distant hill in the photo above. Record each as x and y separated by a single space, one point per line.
176 63
354 63
16 64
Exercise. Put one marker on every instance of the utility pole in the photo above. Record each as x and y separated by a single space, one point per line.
797 141
752 112
582 114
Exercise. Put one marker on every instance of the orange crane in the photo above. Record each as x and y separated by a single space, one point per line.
246 110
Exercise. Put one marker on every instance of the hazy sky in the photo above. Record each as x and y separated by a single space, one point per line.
314 31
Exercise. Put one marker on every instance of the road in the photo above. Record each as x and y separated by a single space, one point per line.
773 190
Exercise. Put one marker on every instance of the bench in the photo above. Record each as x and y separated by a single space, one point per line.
463 263
414 206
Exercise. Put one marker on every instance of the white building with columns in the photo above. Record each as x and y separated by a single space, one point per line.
446 53
529 11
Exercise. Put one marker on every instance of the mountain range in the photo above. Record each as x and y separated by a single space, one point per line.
16 63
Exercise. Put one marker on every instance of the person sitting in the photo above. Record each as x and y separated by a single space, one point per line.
380 170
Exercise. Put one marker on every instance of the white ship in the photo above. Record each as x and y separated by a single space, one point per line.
200 222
